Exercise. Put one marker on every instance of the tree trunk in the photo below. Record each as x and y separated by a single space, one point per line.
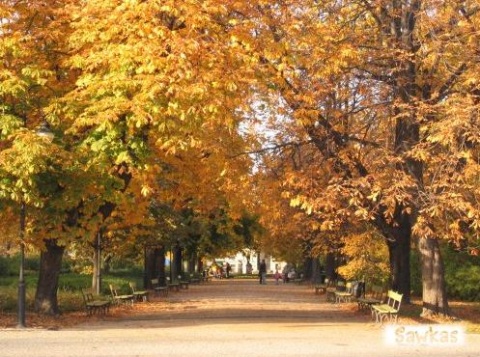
330 268
192 262
399 252
316 273
160 259
433 278
307 268
155 266
200 264
177 261
97 265
50 263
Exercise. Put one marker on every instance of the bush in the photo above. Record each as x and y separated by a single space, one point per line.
462 273
8 266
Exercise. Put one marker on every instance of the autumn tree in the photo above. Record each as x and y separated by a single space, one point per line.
36 173
155 98
126 85
370 82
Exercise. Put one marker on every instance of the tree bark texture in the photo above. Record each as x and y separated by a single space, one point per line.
46 301
155 266
97 264
433 278
330 267
177 261
399 246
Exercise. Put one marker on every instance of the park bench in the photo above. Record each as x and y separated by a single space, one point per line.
183 283
163 290
120 298
374 297
139 295
92 305
299 280
194 279
173 285
345 294
390 309
322 288
332 289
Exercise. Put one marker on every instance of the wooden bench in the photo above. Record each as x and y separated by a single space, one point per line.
390 309
139 295
183 283
332 289
374 297
346 294
92 305
322 288
163 290
194 279
121 298
173 285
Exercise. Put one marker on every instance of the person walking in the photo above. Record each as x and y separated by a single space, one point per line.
228 268
262 272
278 276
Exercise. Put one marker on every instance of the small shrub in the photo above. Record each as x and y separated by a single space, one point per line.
8 266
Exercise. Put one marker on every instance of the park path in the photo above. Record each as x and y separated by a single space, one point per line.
226 318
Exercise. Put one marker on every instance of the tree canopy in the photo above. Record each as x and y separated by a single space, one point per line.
330 123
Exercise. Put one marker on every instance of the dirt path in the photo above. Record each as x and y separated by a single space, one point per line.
226 318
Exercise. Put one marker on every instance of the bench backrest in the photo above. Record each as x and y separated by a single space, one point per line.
113 290
394 299
340 286
87 295
133 286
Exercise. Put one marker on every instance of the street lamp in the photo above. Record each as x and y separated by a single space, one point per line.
21 278
42 131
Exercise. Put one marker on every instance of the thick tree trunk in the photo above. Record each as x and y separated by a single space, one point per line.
200 265
308 268
50 263
433 278
330 268
192 262
177 261
155 266
399 252
315 277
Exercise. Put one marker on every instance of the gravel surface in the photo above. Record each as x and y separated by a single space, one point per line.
228 318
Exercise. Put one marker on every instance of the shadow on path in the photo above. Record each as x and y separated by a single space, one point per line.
242 301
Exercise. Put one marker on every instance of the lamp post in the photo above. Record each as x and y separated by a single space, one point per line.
21 277
43 131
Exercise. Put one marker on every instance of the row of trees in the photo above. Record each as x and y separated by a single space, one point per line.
379 100
332 121
141 104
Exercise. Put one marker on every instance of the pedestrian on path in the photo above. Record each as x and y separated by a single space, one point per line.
262 272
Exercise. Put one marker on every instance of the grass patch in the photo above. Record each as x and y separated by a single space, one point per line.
69 296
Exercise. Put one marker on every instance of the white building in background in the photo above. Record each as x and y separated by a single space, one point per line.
239 262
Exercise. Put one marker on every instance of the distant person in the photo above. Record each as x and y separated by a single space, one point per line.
278 275
285 274
228 268
262 272
249 268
